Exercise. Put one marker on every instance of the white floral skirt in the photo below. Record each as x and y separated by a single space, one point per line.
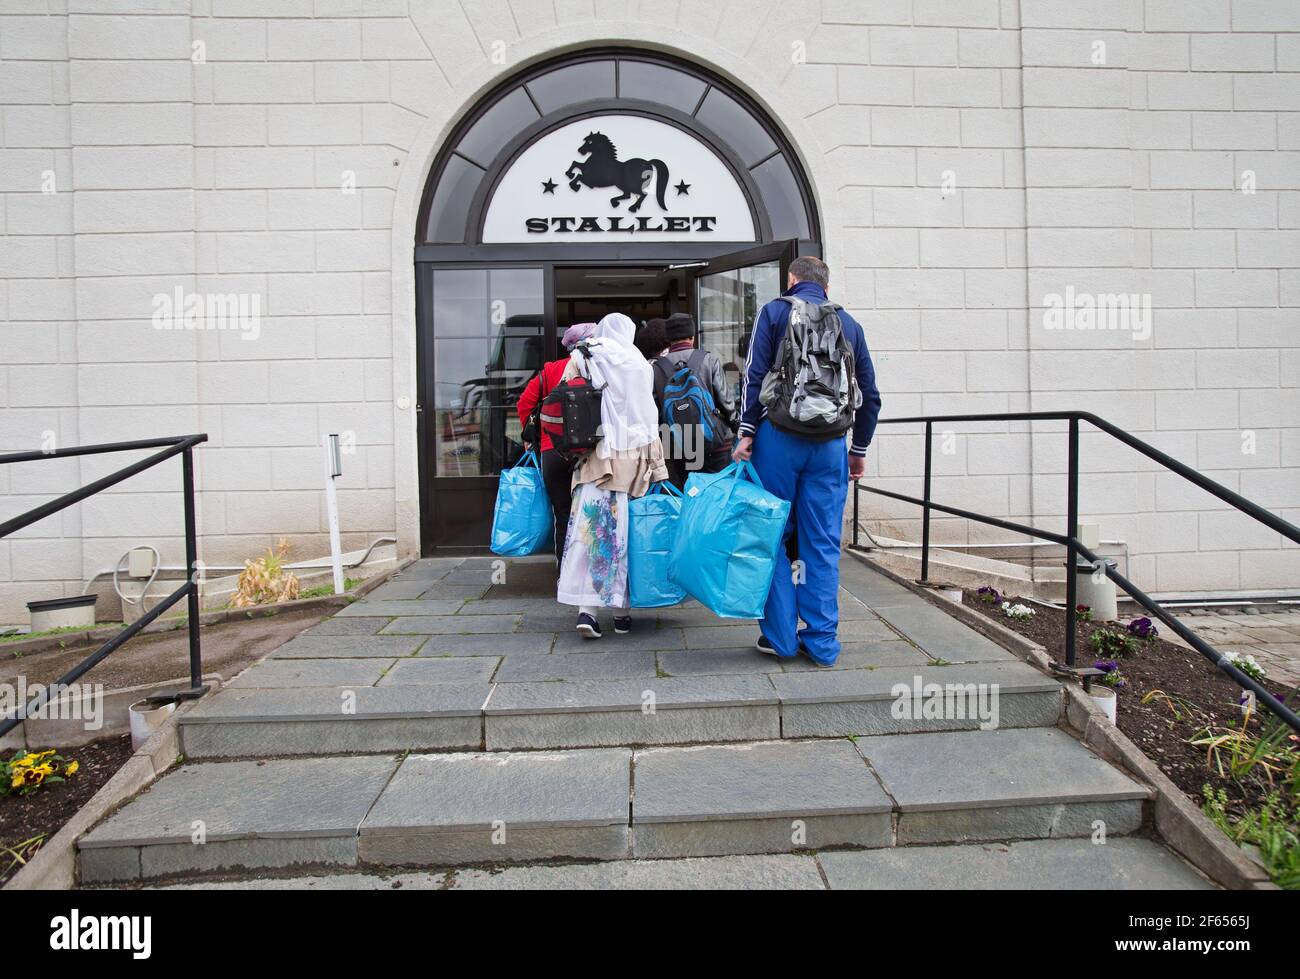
594 570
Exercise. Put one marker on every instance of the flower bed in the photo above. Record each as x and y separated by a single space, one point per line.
1170 697
27 821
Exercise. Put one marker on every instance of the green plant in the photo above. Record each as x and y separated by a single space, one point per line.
321 591
27 771
1176 705
1247 664
1083 612
1108 643
19 854
1236 752
1271 830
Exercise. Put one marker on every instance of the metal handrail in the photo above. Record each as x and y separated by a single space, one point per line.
1069 540
182 445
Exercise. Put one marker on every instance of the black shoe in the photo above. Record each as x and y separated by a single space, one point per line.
588 627
763 646
623 624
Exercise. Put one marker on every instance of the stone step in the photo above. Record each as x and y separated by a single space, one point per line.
444 810
445 703
1125 863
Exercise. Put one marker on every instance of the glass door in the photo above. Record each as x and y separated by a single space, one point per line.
729 292
483 334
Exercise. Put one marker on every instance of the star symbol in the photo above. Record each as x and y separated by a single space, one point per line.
548 186
683 188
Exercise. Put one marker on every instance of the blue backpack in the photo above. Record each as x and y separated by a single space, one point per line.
685 401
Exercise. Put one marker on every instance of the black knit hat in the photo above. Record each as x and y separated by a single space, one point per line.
681 326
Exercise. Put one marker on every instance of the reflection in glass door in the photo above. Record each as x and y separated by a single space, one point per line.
728 303
483 335
488 342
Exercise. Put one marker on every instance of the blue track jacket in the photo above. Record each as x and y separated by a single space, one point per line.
769 330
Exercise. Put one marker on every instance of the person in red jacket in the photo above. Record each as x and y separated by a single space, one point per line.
557 472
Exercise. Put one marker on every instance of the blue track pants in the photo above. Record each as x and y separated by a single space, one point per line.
814 477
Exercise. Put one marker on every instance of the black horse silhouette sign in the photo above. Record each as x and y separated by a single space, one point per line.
603 168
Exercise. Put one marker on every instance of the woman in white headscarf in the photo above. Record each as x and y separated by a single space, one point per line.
624 464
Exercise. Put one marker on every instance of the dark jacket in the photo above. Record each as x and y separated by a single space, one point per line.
712 376
769 331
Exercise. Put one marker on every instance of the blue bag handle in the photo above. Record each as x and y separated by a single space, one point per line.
528 457
665 488
739 470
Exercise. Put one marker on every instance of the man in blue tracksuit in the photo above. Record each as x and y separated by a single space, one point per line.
812 474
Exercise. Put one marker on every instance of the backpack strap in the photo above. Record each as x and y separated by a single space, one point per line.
695 362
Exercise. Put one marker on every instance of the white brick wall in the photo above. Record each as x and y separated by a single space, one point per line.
971 158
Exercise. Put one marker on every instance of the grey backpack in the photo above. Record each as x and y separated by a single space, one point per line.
812 389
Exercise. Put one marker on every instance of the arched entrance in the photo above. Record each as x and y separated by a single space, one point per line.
610 180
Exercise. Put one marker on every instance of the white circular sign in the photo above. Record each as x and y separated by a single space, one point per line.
618 178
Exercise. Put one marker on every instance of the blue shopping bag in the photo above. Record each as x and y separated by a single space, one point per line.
523 522
727 542
652 527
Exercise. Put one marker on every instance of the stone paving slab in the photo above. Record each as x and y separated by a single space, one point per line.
444 592
873 588
466 808
352 626
868 655
942 636
399 588
985 769
586 696
785 779
509 606
1123 863
524 790
756 798
348 646
448 625
431 566
833 686
286 737
696 615
578 666
837 703
721 636
441 669
711 662
417 606
327 703
642 636
470 576
304 797
672 710
868 629
489 644
313 673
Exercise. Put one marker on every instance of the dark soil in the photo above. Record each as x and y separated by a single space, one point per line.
1187 695
157 657
42 814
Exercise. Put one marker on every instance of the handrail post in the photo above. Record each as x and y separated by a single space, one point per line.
855 513
1071 550
191 567
925 510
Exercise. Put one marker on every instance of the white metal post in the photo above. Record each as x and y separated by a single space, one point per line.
333 469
